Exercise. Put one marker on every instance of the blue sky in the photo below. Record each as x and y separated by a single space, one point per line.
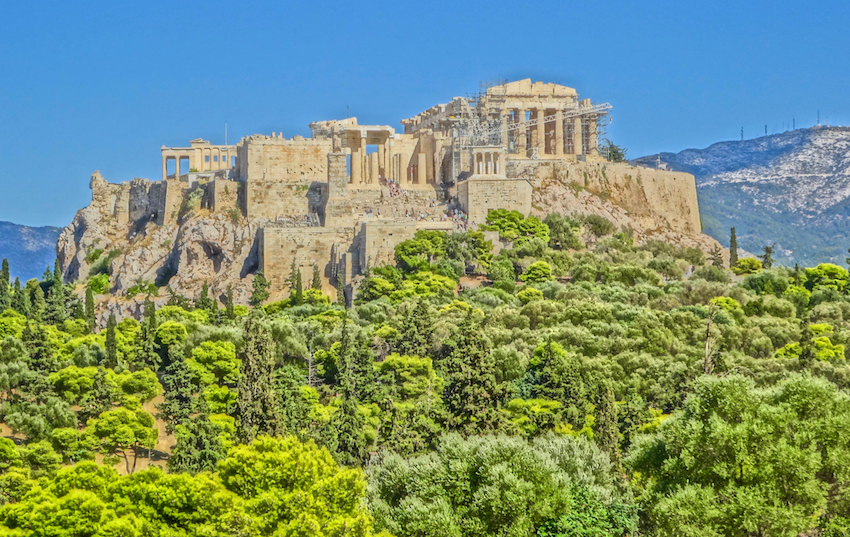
103 85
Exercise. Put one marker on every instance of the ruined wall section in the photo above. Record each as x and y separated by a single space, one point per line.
306 246
656 199
282 177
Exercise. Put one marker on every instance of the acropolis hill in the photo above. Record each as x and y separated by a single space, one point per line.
343 198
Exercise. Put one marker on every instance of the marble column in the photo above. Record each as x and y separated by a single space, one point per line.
356 166
362 154
541 132
521 133
421 169
164 168
577 145
559 132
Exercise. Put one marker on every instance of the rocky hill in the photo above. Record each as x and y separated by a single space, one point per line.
791 188
28 249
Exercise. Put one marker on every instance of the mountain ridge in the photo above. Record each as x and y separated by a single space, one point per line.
791 188
28 249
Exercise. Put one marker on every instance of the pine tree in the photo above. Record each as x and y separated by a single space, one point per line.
471 393
56 313
356 363
317 278
230 313
5 288
257 402
261 289
797 274
18 298
204 302
90 319
607 433
180 400
111 343
767 257
733 249
39 349
349 425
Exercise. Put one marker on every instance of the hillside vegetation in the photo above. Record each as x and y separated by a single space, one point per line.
586 386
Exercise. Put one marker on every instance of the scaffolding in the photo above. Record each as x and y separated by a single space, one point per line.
474 127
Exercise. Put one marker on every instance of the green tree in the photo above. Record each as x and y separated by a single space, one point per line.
124 430
607 432
100 397
39 306
497 485
733 248
260 291
615 153
414 323
716 257
21 299
145 351
257 403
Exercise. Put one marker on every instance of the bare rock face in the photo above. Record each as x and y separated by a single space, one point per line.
201 247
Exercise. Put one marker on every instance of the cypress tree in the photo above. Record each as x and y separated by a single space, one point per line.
18 298
145 354
257 402
471 392
607 433
716 257
204 302
299 290
56 297
90 320
111 343
5 289
199 446
733 249
797 278
340 291
228 304
317 278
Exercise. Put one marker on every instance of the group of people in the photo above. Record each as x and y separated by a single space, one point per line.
395 188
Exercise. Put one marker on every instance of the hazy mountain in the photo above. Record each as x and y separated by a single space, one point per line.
28 249
791 188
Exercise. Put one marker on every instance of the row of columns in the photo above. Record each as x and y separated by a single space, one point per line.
368 168
489 162
565 137
202 159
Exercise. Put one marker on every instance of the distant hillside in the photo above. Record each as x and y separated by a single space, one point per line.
791 188
28 249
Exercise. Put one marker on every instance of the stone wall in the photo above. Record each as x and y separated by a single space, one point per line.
376 241
479 195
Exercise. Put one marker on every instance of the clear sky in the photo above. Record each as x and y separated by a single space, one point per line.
103 85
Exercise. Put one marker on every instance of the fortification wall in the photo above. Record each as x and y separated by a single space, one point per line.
656 199
306 246
480 195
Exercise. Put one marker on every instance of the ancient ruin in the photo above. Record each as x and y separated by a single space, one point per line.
344 198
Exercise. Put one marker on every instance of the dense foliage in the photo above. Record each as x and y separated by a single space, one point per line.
586 386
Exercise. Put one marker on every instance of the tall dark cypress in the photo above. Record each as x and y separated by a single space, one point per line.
317 278
5 289
111 343
19 294
90 320
607 431
733 249
180 401
257 402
